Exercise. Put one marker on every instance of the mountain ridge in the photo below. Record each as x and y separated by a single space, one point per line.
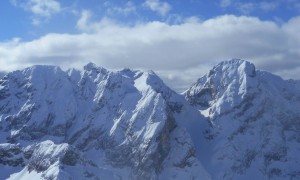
255 119
235 122
126 118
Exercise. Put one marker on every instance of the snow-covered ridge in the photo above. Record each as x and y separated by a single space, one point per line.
93 123
2 74
128 124
231 79
255 121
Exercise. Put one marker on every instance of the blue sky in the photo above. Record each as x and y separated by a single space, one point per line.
18 19
179 39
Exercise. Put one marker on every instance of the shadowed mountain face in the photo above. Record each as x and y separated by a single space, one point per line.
255 122
234 123
2 74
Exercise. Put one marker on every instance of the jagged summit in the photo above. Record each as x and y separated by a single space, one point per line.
93 123
91 67
234 67
255 122
235 122
232 80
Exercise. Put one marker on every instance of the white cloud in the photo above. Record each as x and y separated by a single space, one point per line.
268 6
41 9
181 53
225 3
36 21
14 2
45 8
128 8
293 4
160 7
247 7
84 23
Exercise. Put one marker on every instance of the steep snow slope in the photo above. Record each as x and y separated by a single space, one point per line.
95 124
255 122
1 74
127 124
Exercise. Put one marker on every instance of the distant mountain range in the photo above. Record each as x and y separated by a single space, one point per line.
235 122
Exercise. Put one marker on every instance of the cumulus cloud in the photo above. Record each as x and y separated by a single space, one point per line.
84 23
180 53
44 8
41 9
225 3
247 7
160 7
268 6
128 8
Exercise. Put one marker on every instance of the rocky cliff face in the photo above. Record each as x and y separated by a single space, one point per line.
235 122
95 124
255 122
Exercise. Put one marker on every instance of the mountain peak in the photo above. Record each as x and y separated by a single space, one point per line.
254 117
93 67
123 118
42 68
235 65
90 66
57 124
228 79
233 61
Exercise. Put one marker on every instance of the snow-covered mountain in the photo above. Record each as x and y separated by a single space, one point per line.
235 122
96 124
1 74
255 122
